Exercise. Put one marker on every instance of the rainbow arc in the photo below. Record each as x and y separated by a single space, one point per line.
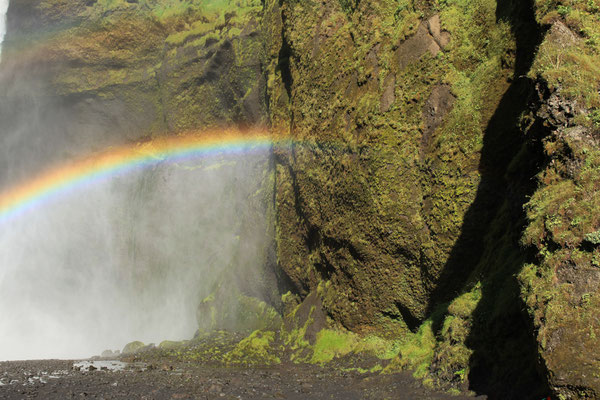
120 160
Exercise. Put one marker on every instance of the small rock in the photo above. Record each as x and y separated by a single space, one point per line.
215 389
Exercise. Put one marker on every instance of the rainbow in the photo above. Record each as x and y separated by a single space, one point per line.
120 160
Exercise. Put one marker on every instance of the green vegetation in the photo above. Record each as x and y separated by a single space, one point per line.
416 352
171 345
569 59
560 286
132 347
216 19
255 349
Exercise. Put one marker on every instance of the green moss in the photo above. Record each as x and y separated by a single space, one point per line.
464 305
226 308
381 348
294 332
571 60
171 345
561 211
593 237
331 344
415 352
132 347
256 349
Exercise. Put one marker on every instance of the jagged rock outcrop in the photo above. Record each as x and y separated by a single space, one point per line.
561 285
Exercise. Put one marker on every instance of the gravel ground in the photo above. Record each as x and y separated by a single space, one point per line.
54 379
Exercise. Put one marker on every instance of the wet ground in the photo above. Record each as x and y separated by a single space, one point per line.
107 379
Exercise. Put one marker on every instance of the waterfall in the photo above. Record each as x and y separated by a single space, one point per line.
127 258
3 9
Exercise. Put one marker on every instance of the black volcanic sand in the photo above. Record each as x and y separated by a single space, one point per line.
53 379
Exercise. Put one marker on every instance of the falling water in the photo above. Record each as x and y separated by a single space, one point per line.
128 258
3 9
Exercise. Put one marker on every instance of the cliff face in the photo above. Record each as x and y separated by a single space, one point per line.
560 287
422 127
108 72
398 205
441 188
392 102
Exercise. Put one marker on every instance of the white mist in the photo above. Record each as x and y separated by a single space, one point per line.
125 259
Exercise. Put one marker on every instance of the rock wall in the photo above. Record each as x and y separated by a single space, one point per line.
390 123
389 109
420 129
101 73
560 284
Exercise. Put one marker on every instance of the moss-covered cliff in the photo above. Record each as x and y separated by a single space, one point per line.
104 72
396 98
440 190
413 110
429 123
560 285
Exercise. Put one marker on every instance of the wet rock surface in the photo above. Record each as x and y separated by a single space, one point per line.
53 379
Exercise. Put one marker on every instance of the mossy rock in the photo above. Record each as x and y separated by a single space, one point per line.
172 345
257 349
227 308
389 129
132 347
